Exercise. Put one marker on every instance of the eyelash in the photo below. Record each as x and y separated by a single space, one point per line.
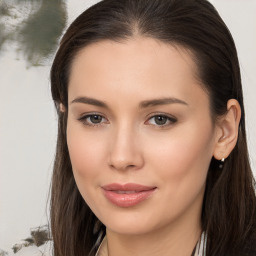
170 119
83 119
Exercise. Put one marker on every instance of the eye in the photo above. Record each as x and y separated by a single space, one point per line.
93 119
161 120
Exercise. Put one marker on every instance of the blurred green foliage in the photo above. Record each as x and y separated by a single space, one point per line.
37 36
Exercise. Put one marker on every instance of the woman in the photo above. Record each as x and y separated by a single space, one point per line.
151 154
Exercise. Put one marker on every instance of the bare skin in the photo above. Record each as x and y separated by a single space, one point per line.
138 114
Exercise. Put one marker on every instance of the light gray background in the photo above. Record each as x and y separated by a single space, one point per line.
28 122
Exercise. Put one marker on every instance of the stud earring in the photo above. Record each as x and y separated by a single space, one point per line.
222 163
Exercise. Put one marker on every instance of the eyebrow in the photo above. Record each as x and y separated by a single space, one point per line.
90 101
161 101
143 104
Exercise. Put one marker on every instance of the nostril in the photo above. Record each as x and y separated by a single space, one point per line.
122 167
130 166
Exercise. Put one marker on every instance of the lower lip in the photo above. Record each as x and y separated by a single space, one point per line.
128 200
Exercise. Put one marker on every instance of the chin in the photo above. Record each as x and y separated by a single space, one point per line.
131 224
124 229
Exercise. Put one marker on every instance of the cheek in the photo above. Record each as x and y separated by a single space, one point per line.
180 165
183 159
86 151
86 154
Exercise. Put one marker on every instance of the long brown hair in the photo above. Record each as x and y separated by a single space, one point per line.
228 213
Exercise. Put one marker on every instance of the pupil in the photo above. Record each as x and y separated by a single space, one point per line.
96 119
160 120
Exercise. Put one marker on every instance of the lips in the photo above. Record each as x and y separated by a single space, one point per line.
127 195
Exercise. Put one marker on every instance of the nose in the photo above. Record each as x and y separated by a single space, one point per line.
125 151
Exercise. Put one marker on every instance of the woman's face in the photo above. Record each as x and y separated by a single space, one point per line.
139 134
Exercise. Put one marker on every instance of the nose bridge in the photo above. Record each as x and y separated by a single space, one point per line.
125 151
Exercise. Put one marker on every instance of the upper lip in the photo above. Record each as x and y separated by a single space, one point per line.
127 187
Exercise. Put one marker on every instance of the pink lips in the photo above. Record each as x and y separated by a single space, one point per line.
127 195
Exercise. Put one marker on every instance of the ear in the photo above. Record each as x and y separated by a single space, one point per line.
62 107
227 130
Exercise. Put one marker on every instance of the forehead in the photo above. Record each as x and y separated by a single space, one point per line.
133 66
139 51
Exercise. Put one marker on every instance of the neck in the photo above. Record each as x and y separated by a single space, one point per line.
177 239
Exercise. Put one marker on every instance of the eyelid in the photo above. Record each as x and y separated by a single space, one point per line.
84 116
170 118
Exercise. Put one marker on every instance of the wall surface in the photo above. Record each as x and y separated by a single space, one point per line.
28 120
